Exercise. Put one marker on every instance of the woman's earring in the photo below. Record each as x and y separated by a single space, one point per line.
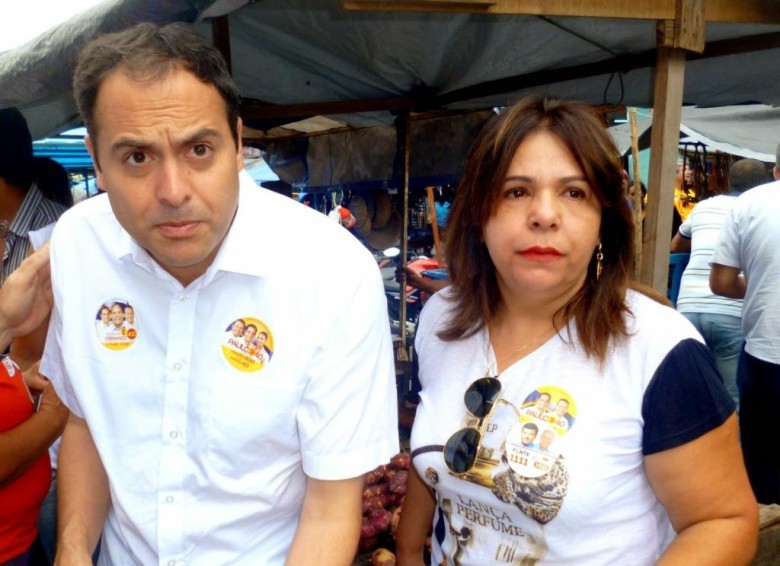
599 258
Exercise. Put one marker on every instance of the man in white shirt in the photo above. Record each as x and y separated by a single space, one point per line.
180 450
746 263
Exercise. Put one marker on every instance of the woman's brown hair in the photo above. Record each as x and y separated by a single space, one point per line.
599 308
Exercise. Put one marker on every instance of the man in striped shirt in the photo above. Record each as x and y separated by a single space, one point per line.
21 203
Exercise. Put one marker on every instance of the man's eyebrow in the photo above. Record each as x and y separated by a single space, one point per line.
131 142
199 135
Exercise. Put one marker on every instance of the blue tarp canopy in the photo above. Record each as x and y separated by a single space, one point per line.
72 156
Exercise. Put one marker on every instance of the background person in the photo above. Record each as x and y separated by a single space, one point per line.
21 202
718 319
745 264
196 457
540 257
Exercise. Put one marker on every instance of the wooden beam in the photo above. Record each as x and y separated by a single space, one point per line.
689 25
664 141
742 11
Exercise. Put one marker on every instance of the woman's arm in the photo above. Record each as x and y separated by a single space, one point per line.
21 446
415 523
704 488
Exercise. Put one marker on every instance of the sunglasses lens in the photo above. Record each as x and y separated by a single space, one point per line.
481 395
460 452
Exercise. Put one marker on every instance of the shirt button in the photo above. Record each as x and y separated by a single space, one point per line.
174 434
183 298
169 499
171 562
177 366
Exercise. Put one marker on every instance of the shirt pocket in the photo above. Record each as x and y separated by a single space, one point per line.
252 420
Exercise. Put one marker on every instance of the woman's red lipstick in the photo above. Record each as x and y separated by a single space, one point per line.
540 253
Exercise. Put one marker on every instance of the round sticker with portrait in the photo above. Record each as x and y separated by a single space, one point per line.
116 324
529 449
550 406
248 344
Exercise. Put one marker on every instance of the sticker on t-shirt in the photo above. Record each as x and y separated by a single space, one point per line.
545 415
248 345
116 324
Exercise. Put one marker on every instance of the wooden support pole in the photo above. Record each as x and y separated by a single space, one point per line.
638 200
406 124
664 140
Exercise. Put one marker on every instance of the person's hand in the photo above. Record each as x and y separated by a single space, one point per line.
405 274
26 297
51 404
35 381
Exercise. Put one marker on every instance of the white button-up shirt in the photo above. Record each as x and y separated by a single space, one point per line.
207 441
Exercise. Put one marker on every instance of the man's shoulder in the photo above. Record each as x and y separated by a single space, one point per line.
87 216
759 196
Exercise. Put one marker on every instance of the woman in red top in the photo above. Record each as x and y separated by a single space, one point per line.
25 435
25 474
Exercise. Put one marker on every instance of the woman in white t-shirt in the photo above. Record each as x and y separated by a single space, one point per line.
637 462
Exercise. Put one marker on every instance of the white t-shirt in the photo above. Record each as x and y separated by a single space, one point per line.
750 240
207 450
585 498
702 228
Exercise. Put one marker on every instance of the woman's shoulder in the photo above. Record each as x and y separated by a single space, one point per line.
660 322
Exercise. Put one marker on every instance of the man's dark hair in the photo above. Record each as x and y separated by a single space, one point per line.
16 151
746 174
146 52
53 180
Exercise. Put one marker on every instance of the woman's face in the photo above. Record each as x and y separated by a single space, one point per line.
545 229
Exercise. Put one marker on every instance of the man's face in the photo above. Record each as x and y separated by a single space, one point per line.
105 315
249 334
165 156
527 436
117 315
129 315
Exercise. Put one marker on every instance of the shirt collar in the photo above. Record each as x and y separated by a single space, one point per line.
248 245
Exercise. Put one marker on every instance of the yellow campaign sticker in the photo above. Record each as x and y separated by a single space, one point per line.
248 344
116 324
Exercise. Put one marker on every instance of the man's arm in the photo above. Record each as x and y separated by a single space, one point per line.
83 494
329 528
680 244
25 297
727 281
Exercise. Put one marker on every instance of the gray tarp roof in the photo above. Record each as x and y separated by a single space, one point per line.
750 130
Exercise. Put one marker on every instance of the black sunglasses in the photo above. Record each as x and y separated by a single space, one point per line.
460 452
